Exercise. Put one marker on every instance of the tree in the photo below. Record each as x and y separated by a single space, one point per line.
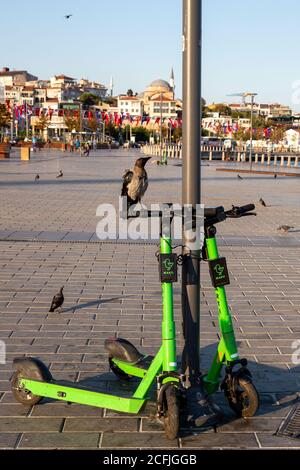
72 122
42 123
92 124
220 108
129 92
141 134
277 134
89 99
177 134
5 118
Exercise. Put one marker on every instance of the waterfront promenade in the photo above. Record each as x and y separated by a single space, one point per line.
47 239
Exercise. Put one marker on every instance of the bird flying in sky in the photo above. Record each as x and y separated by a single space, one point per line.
68 16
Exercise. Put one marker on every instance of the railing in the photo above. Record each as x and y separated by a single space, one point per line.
219 153
175 151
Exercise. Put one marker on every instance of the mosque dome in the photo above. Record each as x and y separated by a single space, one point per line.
159 85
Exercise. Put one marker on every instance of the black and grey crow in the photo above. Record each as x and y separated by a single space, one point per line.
37 177
135 182
57 300
60 174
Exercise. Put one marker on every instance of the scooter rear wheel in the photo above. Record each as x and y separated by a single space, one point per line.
171 412
22 395
247 402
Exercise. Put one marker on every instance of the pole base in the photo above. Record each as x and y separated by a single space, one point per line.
200 411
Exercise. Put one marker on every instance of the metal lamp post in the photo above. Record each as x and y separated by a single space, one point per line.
191 194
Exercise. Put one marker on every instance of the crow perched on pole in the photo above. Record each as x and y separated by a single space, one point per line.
135 182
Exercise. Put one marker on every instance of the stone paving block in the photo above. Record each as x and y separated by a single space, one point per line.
13 424
250 425
101 424
61 409
136 440
62 440
276 442
221 440
9 440
9 410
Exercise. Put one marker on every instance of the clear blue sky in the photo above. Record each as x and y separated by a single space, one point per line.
251 45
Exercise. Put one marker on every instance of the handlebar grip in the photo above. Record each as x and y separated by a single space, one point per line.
237 212
246 208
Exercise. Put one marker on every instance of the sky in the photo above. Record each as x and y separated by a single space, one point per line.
247 45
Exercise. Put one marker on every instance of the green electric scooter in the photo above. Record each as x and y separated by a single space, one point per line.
237 385
32 380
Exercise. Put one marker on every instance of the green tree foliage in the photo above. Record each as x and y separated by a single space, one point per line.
42 122
220 108
141 134
89 99
72 122
5 119
5 116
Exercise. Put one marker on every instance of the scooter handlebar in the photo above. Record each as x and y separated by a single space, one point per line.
236 212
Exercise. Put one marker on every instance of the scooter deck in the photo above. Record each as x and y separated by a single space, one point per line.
58 391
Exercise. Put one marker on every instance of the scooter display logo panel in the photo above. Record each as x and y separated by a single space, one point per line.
168 267
219 272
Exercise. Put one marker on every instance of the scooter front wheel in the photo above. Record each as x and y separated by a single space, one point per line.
171 412
247 400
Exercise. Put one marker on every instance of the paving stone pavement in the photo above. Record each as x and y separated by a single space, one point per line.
112 289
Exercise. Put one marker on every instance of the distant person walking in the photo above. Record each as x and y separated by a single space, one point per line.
71 146
34 141
77 144
86 149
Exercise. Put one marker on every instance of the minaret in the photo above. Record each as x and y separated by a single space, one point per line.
172 81
111 86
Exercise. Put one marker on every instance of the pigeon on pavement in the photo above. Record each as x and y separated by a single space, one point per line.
57 300
262 202
60 174
285 228
37 177
239 177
